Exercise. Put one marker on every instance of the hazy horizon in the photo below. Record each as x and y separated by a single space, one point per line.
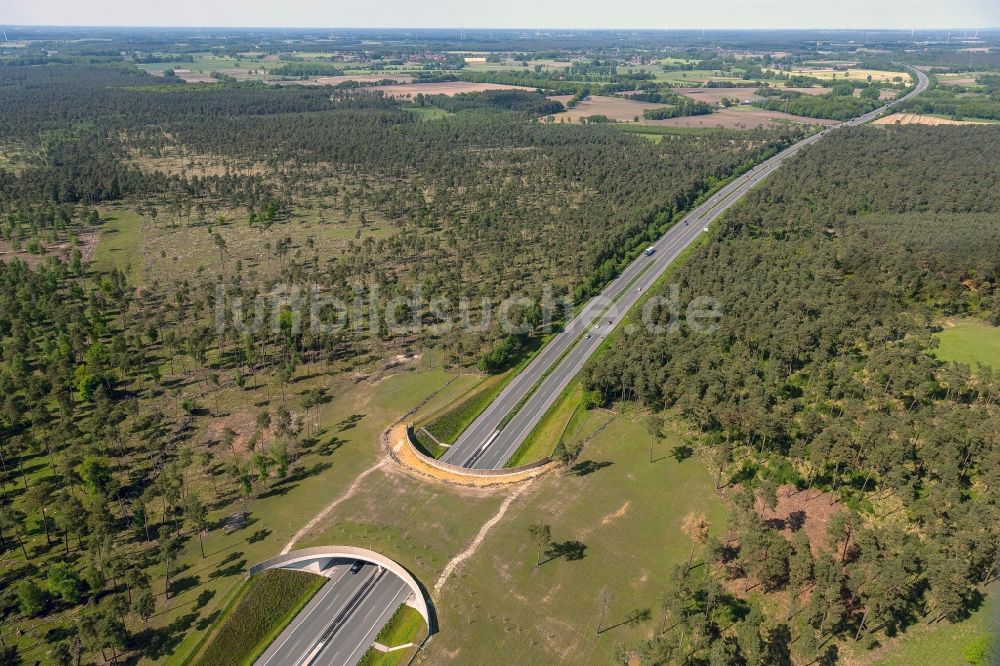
514 14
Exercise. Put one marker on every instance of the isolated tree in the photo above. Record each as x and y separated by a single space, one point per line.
198 515
695 526
541 536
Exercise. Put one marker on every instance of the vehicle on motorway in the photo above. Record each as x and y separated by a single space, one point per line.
588 336
357 566
649 251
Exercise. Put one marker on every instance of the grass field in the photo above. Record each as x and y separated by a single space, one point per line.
944 644
270 602
406 626
427 113
118 244
971 342
348 443
617 520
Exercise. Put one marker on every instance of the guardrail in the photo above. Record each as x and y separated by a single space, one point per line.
306 556
468 471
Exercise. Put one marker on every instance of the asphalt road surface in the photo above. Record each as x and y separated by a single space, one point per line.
341 621
490 441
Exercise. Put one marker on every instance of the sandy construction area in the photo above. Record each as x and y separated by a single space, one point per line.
446 88
917 119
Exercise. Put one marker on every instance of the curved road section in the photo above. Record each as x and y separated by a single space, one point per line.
490 441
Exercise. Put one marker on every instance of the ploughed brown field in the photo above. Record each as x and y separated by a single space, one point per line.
615 108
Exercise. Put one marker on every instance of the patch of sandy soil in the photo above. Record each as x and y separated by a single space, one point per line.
608 519
806 510
406 90
88 240
917 119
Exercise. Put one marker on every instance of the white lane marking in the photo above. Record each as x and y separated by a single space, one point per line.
292 630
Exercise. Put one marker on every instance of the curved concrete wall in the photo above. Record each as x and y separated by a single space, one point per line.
468 471
322 555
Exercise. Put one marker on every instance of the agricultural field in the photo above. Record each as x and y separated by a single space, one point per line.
617 109
740 117
849 74
613 108
921 119
409 90
199 71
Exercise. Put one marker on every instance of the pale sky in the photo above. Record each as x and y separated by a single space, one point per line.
709 14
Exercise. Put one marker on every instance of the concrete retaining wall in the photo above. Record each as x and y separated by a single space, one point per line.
468 471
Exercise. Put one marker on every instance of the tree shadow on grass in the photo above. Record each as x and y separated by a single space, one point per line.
162 642
330 446
207 621
350 422
571 550
203 598
635 617
259 535
182 585
234 569
276 491
681 453
589 467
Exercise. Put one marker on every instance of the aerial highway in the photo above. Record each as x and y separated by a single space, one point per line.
490 441
341 621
